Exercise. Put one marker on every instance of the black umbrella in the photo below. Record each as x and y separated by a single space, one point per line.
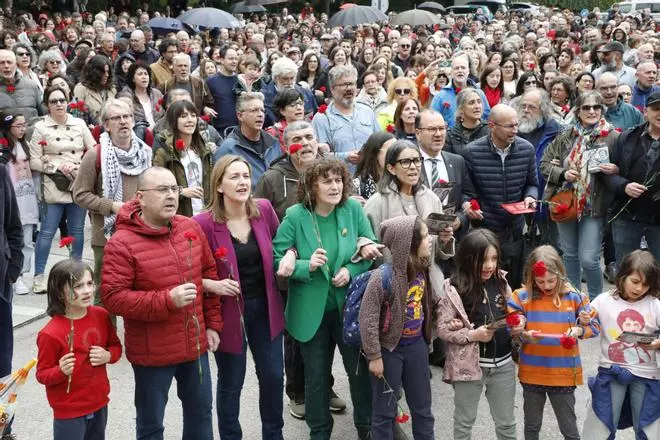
243 8
164 25
432 6
264 2
209 18
415 17
356 15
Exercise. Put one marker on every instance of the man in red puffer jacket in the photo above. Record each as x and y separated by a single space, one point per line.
159 275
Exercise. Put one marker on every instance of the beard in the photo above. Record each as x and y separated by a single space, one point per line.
346 101
611 66
528 124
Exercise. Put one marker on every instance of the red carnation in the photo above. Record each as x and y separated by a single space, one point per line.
568 342
294 148
618 130
565 108
561 208
445 105
604 133
323 108
403 418
220 253
190 236
43 142
4 142
390 128
66 241
11 89
512 320
322 89
532 66
206 118
539 269
474 205
81 104
442 181
160 101
180 145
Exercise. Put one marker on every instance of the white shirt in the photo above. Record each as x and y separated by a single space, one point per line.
428 169
193 166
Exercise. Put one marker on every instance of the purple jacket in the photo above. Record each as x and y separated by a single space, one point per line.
218 235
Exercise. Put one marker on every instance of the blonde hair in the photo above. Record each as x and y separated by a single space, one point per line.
216 201
399 83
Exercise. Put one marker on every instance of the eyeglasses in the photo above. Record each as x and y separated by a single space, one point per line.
124 117
433 130
298 103
19 126
404 45
407 162
402 91
54 62
347 84
164 189
22 54
588 108
57 101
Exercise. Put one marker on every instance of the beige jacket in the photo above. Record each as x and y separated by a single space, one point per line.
94 100
52 145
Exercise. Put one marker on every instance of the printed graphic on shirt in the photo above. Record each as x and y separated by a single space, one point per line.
629 320
414 314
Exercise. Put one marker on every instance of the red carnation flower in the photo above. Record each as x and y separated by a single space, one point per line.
294 148
220 253
474 205
390 128
539 269
206 118
532 66
568 342
618 130
322 89
323 108
442 181
565 108
81 104
11 89
445 105
4 142
403 418
180 145
160 101
512 320
604 133
43 142
66 241
190 236
561 208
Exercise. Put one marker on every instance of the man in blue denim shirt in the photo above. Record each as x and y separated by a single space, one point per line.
346 124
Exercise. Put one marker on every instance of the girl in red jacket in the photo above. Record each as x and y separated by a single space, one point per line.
74 347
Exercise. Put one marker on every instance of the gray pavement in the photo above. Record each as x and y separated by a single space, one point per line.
34 416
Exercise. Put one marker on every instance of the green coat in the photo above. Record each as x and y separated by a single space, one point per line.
308 291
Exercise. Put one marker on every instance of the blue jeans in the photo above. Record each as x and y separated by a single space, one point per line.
75 221
152 385
618 392
6 332
88 427
628 235
406 366
580 242
269 364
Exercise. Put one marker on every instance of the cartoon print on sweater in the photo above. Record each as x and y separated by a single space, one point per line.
412 326
629 320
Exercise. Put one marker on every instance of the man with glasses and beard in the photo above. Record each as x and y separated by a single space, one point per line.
612 54
539 128
346 124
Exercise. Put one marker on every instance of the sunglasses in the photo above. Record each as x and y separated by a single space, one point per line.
402 91
588 108
57 101
530 82
22 54
404 45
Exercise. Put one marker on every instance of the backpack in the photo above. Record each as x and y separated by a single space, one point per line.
354 294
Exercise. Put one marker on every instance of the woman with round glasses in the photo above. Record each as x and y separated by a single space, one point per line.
57 146
398 91
509 77
567 165
289 105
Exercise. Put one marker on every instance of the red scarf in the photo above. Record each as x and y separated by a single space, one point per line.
493 96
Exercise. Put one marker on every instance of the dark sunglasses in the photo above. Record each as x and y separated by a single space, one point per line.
404 45
531 82
22 54
57 101
587 108
402 91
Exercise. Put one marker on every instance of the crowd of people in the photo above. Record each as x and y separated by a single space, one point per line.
408 195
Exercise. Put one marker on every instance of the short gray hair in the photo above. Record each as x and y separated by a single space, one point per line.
284 66
114 103
295 126
244 98
49 55
181 56
339 72
177 93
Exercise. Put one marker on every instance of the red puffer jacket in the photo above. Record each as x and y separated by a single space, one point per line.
140 267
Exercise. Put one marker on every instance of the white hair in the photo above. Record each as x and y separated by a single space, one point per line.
284 66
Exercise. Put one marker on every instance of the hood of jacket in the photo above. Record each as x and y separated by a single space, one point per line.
396 233
118 70
284 166
129 219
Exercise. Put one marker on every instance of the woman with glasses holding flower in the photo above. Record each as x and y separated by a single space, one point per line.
399 90
334 244
566 166
240 232
188 157
57 146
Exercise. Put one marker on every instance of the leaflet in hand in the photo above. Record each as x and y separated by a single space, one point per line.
595 157
437 222
637 338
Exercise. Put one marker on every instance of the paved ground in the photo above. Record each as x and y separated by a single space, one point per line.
34 416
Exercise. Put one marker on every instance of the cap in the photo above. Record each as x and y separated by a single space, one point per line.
327 37
654 98
612 46
85 42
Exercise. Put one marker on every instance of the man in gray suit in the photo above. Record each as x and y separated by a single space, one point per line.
442 166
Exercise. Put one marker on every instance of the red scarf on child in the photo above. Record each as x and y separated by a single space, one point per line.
493 96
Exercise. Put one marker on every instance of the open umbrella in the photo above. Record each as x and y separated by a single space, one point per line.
356 15
346 6
264 2
209 18
164 25
243 8
415 17
432 6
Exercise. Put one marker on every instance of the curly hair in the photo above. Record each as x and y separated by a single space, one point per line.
93 71
131 74
321 168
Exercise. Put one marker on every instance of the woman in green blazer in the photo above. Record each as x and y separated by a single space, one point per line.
331 235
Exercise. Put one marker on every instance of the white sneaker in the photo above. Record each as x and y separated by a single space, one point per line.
39 284
20 288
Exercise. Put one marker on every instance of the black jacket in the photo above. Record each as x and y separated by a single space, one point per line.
458 137
11 234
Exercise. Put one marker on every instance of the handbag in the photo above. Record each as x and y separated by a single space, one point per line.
563 206
62 183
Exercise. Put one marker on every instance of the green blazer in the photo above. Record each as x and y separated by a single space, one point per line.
308 291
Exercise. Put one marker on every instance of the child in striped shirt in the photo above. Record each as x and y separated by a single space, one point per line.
549 364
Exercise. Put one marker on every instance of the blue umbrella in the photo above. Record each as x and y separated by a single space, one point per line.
164 25
209 18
